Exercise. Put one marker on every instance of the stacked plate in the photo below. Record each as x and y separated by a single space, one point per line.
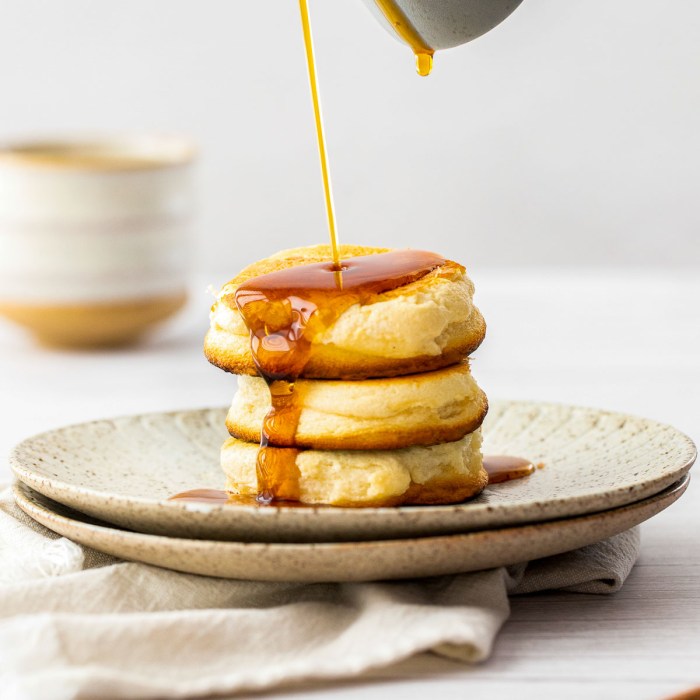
106 485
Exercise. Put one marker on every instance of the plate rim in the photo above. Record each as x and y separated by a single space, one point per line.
358 561
675 490
36 481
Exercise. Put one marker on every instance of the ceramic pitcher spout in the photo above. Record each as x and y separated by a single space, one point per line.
440 24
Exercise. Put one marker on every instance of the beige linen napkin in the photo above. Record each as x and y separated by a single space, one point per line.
75 623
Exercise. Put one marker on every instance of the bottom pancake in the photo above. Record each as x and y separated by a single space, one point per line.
446 473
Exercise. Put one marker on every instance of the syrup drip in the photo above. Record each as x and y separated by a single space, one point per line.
408 33
320 136
502 468
284 311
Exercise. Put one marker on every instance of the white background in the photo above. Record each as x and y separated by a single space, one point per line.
568 135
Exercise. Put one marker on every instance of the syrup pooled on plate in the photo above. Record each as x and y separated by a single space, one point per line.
220 497
501 468
214 497
284 311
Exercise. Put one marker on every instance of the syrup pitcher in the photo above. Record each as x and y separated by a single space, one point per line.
427 26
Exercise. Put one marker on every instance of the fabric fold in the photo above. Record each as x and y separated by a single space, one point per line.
77 623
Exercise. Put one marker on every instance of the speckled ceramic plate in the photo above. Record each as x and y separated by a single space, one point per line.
123 471
346 561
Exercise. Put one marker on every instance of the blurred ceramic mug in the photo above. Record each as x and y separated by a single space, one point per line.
94 236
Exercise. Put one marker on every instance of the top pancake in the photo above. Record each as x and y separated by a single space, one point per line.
424 325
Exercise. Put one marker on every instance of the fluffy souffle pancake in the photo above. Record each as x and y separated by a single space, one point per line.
421 326
372 414
437 474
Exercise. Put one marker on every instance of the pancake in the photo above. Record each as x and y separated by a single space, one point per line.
372 414
424 325
446 473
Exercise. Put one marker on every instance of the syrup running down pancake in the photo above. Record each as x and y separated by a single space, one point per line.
424 324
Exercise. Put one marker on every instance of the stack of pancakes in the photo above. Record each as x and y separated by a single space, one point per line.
389 413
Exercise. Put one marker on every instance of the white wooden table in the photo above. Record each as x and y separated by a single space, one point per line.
627 341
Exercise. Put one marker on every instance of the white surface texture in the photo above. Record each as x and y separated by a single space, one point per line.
566 135
621 340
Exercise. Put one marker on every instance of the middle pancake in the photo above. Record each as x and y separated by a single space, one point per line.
371 414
